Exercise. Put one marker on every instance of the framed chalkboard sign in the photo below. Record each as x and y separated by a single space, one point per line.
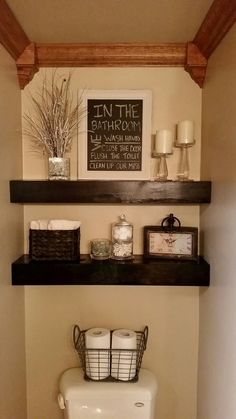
115 136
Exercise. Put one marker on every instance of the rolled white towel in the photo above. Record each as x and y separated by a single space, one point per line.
63 225
34 225
43 224
39 224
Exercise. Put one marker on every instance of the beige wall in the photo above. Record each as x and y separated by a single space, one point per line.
217 360
170 313
12 353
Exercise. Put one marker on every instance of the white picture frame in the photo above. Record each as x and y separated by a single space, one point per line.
126 153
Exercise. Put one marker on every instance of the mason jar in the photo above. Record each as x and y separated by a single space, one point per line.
122 239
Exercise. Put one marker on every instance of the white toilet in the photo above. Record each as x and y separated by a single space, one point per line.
82 399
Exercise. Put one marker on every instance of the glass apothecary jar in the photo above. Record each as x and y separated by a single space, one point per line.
122 239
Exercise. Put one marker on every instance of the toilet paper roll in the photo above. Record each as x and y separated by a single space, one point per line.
97 358
124 355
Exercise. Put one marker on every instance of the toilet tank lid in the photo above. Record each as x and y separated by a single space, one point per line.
73 387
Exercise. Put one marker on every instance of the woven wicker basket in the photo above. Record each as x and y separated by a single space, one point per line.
54 244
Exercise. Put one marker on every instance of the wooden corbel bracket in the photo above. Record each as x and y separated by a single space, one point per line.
26 65
196 63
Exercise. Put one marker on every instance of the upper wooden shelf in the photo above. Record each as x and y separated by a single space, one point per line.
110 192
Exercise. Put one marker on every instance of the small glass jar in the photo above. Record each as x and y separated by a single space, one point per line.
100 249
122 239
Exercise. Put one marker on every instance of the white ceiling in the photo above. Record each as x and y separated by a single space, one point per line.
153 21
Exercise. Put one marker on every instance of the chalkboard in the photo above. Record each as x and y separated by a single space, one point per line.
116 135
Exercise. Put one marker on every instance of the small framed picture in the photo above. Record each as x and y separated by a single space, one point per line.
178 243
114 141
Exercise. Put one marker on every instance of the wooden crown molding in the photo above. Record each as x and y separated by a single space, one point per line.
219 19
97 55
12 36
110 55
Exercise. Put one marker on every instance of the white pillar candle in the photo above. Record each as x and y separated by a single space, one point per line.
185 132
163 142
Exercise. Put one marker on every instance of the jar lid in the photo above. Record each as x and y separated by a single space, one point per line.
123 221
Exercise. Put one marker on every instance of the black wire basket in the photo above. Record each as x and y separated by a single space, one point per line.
118 365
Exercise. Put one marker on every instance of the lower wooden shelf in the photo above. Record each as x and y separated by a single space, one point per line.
87 272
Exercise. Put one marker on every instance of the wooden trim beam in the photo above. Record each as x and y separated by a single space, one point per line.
196 64
219 19
27 65
110 55
12 36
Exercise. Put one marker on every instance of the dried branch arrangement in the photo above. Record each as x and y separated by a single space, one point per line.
55 119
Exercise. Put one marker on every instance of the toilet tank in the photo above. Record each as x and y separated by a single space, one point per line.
82 399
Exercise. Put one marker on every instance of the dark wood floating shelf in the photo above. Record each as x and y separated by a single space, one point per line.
87 272
110 192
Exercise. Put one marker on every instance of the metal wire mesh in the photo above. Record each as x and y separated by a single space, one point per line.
110 364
